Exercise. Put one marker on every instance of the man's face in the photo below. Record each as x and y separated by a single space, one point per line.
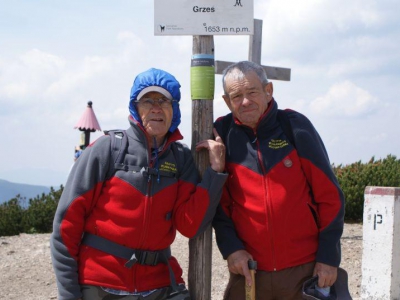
247 99
156 119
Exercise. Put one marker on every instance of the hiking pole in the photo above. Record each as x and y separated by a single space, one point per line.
251 290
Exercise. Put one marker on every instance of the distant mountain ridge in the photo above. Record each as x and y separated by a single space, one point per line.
9 190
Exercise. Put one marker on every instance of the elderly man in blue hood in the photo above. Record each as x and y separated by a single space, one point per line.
115 222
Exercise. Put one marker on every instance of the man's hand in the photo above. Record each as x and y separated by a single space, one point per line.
326 274
216 150
238 264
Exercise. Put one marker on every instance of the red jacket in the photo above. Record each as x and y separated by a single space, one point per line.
132 209
282 204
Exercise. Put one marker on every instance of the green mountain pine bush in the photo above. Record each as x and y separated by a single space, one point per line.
354 178
16 217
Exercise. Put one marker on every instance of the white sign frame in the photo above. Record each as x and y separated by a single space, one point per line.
203 17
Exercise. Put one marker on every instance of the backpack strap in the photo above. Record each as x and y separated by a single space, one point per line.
224 126
119 146
283 119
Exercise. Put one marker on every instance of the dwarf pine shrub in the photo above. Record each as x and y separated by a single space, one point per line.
16 217
354 178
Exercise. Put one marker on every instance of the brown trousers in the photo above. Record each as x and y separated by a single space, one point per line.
280 285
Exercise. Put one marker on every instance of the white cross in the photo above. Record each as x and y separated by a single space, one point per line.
255 56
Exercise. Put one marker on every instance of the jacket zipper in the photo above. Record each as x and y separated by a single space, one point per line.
147 199
147 203
267 203
149 186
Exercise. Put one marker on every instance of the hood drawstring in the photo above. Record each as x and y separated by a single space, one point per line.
156 159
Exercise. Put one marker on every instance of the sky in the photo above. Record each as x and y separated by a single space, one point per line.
55 56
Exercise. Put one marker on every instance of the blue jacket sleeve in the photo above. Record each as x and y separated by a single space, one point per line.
227 240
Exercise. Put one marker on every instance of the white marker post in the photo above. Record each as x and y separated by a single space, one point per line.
381 243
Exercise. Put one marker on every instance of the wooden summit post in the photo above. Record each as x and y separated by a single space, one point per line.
200 248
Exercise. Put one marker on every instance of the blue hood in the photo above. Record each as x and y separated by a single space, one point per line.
160 78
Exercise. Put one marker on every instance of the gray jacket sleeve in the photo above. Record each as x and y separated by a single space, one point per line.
79 196
198 200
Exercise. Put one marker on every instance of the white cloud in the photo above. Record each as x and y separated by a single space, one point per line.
77 75
129 36
345 55
345 99
36 59
316 32
375 138
321 15
29 75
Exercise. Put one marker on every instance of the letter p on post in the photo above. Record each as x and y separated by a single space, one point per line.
381 243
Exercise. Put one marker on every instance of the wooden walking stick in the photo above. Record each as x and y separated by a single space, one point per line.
251 290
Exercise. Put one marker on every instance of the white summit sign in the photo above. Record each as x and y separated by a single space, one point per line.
203 17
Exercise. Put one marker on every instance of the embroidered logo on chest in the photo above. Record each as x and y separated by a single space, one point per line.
168 167
277 144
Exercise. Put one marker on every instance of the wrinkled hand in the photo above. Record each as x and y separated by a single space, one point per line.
216 151
238 264
326 274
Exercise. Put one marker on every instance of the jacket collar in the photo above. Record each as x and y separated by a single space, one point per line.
267 121
138 133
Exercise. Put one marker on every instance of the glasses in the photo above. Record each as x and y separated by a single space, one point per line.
149 102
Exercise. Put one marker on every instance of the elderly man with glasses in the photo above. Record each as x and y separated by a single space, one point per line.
113 229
